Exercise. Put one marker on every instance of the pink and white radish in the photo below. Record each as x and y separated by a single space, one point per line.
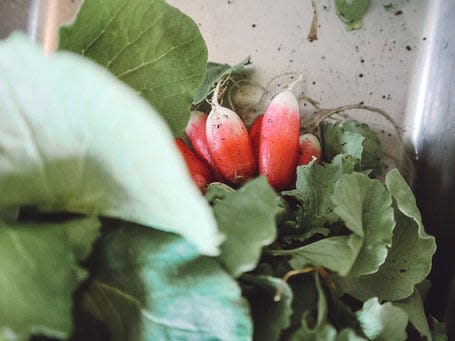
198 171
309 147
229 143
279 140
196 132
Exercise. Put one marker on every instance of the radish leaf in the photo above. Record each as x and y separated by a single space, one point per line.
151 285
247 218
74 139
40 271
149 45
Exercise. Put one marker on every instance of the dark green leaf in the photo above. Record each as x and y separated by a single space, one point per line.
38 263
149 45
383 322
74 139
247 218
216 72
269 317
317 329
151 285
413 306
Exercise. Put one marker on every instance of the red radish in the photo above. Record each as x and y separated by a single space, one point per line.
255 132
229 143
309 147
198 171
279 140
196 132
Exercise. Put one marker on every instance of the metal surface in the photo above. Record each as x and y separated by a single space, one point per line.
432 102
402 62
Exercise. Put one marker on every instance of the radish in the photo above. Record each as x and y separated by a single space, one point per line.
196 132
255 133
279 140
229 143
309 147
198 171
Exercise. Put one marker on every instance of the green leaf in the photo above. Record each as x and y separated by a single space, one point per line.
247 218
317 329
149 45
75 139
314 187
348 335
413 306
270 317
38 263
355 139
216 72
337 254
372 150
336 140
151 285
409 259
365 207
217 191
383 322
352 11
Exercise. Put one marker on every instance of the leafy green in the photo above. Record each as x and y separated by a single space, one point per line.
409 259
217 191
352 12
151 285
269 317
413 306
75 139
336 253
383 322
247 217
365 207
355 139
149 45
216 72
39 267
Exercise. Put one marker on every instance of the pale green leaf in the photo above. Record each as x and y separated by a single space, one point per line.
247 218
355 139
383 322
337 254
314 187
151 285
151 46
269 316
39 272
365 207
409 259
216 72
352 12
75 139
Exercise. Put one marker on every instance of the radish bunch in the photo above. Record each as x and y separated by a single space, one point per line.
225 151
